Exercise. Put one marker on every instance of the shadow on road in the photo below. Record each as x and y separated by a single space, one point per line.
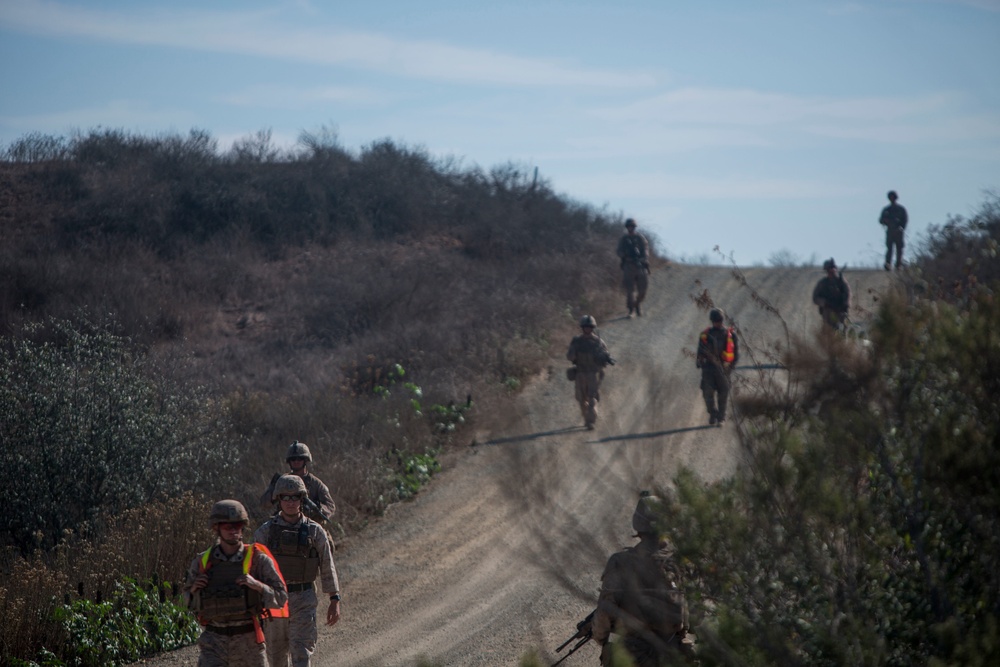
655 434
534 436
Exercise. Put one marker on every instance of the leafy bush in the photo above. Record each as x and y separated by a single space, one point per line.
866 527
136 622
88 428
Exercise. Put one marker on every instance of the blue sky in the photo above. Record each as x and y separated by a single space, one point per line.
756 127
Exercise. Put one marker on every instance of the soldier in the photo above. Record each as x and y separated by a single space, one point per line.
833 296
589 355
633 250
319 505
303 551
231 586
641 598
894 220
718 352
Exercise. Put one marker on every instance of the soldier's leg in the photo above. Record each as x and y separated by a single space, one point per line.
642 283
722 386
302 628
581 394
276 635
628 281
899 248
246 652
213 650
708 393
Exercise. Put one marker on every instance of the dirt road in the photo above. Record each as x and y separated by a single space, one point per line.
503 553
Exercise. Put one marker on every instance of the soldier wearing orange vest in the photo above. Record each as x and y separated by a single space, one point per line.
718 352
232 586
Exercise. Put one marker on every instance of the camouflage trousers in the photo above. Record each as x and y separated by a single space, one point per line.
893 237
715 381
588 393
217 650
293 637
635 281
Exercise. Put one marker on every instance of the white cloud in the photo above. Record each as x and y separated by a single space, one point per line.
289 97
261 34
125 114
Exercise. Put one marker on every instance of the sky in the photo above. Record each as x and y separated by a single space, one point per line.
767 129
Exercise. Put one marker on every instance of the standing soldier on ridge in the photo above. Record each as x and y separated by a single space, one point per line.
718 352
894 220
633 250
641 598
833 296
589 355
302 550
230 587
318 505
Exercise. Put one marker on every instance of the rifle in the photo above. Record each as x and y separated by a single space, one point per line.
584 632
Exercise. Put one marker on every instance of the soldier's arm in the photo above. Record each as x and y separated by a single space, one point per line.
903 218
329 580
325 500
192 582
265 571
571 352
607 603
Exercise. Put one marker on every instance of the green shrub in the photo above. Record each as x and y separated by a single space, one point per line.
133 624
89 428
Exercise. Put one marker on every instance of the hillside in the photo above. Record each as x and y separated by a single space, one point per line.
503 552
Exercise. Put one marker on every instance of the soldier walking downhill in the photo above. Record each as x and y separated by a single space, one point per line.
231 586
894 219
641 598
318 505
833 296
633 251
303 552
589 355
718 352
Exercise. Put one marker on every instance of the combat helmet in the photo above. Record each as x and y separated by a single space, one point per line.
716 315
647 514
630 223
829 264
289 485
892 195
298 449
588 321
227 511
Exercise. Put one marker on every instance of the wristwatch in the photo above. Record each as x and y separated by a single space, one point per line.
335 597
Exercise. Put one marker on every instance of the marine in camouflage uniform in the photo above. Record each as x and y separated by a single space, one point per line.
718 352
299 458
641 599
589 355
303 552
832 295
228 593
894 219
633 251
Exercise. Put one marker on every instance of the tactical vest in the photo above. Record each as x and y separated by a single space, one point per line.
727 355
295 551
588 354
222 600
633 249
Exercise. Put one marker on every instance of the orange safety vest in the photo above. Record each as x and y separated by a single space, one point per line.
275 612
729 354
